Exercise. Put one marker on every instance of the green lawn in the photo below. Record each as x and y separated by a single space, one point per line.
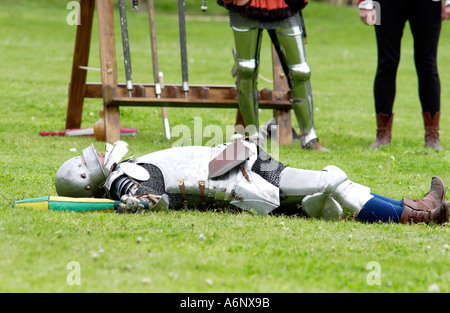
213 252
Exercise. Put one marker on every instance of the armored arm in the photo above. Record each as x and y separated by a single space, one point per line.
133 183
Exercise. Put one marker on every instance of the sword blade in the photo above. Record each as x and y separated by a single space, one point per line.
183 46
126 45
154 46
155 64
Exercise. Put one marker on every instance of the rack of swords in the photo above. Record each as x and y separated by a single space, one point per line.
157 93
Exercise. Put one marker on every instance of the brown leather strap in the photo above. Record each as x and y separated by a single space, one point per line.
244 172
235 196
201 186
183 194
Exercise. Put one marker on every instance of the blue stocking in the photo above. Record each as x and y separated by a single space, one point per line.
381 209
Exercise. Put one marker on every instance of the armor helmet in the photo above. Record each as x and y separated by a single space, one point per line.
81 176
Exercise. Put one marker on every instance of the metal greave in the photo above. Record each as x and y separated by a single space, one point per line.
248 46
315 187
291 51
289 45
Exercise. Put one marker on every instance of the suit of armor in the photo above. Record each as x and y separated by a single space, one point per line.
237 174
287 37
254 181
185 175
289 43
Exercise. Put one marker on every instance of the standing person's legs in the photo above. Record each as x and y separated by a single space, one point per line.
388 35
425 21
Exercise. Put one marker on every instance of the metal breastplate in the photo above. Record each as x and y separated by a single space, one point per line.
186 171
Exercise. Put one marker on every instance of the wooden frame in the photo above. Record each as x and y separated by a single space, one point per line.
115 95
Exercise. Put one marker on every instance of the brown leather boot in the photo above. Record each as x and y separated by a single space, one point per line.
384 130
432 199
438 216
432 130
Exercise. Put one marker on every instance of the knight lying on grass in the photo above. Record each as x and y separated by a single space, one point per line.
237 174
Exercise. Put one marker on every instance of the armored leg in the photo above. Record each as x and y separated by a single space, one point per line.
325 194
248 45
289 45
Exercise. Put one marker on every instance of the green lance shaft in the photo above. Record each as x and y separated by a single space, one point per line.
55 203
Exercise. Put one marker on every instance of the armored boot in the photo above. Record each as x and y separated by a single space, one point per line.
438 215
315 145
384 130
432 130
431 200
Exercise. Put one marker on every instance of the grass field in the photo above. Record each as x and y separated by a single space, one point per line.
213 252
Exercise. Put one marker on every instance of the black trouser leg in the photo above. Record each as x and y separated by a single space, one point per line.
389 35
425 22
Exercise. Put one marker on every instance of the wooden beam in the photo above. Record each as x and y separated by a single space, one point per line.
220 96
80 59
190 103
282 115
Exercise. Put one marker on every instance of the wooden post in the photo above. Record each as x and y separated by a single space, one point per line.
77 86
108 68
282 117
